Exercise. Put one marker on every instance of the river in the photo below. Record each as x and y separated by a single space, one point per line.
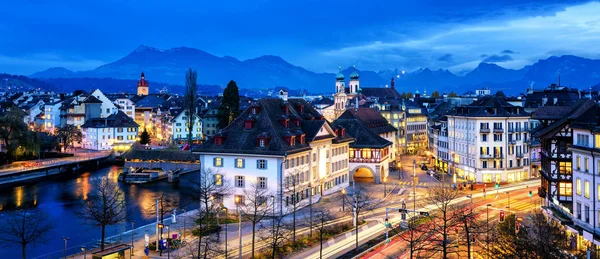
62 200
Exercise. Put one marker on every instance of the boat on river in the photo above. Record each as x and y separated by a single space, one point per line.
142 175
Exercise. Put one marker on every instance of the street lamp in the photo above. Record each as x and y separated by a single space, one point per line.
84 252
65 247
184 216
237 204
225 210
273 202
132 223
343 199
160 226
168 246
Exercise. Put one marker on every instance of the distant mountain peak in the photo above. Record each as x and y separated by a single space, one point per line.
144 47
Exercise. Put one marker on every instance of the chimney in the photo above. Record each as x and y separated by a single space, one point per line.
392 83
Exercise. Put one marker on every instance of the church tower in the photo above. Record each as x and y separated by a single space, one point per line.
339 97
354 84
142 86
339 82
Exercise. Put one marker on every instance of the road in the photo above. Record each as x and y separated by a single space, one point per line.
79 155
520 203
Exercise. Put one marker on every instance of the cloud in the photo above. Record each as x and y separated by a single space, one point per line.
498 58
484 55
446 58
507 51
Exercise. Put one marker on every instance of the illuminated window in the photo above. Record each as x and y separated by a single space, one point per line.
585 164
218 179
565 189
597 138
586 189
578 162
218 162
565 167
239 163
578 186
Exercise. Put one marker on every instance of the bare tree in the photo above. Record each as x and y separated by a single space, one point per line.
191 92
26 227
68 134
415 235
166 205
209 188
470 226
105 207
362 202
279 233
322 216
443 219
255 207
293 190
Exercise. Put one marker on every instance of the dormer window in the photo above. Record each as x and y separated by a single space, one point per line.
297 122
219 139
302 139
289 138
248 123
343 131
263 140
286 108
300 108
285 123
254 109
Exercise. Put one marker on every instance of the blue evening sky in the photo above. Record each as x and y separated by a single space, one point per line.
316 34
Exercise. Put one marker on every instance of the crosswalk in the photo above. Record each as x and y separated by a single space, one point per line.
411 183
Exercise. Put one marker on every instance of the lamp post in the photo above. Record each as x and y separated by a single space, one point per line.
225 210
343 199
160 226
84 252
65 247
487 230
168 246
184 216
132 223
237 203
273 202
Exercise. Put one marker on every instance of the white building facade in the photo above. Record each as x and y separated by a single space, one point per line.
117 131
489 144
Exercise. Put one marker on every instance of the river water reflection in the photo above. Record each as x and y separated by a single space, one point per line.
62 201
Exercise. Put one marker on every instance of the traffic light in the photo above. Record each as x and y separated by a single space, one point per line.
530 194
402 210
497 185
387 223
501 216
424 213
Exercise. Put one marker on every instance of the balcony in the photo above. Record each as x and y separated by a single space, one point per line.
511 130
519 155
486 156
484 130
512 142
498 130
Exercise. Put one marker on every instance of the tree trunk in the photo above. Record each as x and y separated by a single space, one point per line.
24 251
253 234
102 241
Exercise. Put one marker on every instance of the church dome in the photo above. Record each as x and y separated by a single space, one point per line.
339 76
354 75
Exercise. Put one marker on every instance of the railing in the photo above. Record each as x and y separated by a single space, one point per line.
484 130
519 155
498 130
366 160
486 156
511 130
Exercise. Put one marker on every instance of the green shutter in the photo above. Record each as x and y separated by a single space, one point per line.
243 163
214 161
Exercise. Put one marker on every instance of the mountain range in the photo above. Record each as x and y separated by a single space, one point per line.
166 68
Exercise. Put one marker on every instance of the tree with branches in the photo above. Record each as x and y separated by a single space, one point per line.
12 129
415 234
145 137
255 206
276 236
292 188
322 216
24 228
209 188
435 94
444 217
362 202
105 207
166 205
191 93
230 105
68 134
